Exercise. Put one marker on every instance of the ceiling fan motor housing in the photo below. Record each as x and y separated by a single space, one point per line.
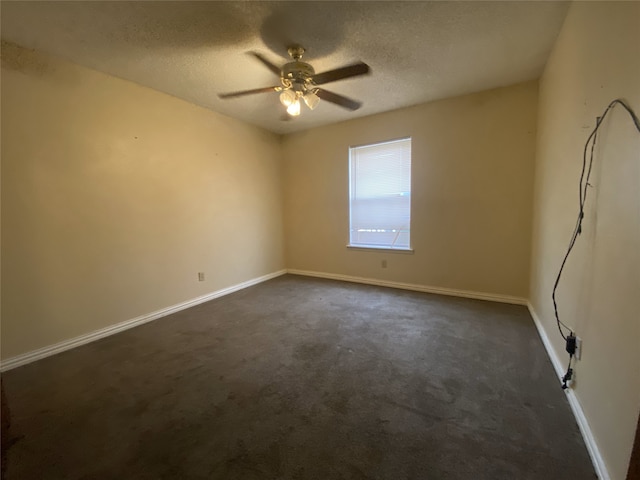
298 73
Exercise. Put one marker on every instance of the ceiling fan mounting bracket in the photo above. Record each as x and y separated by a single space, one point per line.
296 51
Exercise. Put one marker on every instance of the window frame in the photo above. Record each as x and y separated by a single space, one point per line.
386 248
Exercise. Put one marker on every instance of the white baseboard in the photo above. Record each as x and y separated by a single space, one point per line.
414 287
592 446
41 353
583 424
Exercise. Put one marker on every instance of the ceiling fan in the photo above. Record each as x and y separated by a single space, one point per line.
299 81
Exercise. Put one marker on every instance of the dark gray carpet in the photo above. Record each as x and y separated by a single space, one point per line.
301 378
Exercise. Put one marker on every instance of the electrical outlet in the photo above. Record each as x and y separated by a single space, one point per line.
384 264
578 353
201 276
571 344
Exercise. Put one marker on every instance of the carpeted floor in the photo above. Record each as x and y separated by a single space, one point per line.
301 378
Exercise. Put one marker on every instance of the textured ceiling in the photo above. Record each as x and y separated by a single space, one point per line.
417 51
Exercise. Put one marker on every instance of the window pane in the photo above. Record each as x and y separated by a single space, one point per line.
380 194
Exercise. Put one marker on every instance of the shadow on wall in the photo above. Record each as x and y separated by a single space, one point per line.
25 60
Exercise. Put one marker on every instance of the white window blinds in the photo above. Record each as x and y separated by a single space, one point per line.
380 195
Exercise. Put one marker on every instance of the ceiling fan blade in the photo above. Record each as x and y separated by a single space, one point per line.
344 102
340 73
267 63
248 92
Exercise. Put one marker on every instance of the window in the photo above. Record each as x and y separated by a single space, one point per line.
380 195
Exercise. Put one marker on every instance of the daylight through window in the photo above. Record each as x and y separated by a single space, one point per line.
380 195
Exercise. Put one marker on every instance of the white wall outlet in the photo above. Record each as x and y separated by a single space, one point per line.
578 353
384 264
201 276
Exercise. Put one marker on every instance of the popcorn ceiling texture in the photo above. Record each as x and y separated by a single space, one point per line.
418 51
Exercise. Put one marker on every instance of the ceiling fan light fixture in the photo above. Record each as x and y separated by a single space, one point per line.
294 108
299 82
288 97
312 100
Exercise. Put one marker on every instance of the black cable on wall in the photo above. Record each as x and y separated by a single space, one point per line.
585 174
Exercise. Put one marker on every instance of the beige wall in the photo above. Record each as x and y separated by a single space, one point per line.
471 201
114 196
595 60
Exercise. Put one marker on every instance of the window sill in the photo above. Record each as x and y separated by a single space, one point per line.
405 251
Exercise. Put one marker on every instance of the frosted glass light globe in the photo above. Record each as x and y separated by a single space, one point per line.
312 100
294 109
287 97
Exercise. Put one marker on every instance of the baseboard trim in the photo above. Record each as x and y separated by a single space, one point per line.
583 424
592 446
44 352
413 287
